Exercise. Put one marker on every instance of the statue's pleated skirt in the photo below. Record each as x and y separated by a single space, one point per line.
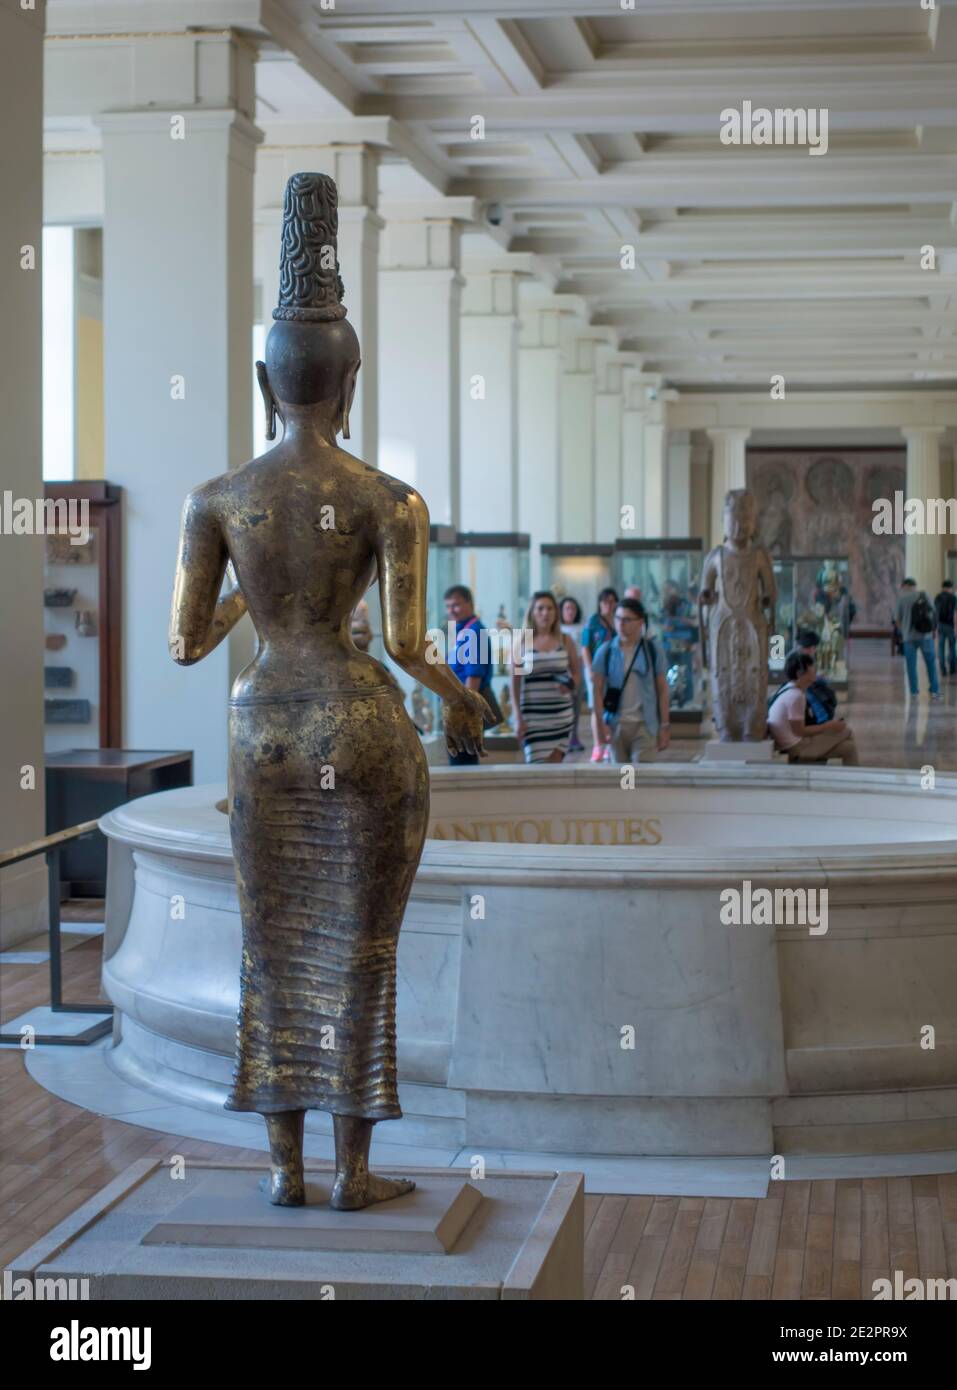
329 806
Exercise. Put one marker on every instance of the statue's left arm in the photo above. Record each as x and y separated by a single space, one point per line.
201 617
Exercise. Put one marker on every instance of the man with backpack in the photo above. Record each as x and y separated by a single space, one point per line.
821 695
946 603
631 689
917 619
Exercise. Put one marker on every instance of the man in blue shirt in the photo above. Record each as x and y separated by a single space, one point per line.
469 660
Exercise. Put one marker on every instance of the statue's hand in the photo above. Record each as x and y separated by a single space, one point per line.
464 720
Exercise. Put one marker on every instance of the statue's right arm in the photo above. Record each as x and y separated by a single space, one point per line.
200 617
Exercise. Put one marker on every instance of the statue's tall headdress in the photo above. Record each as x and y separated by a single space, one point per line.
310 288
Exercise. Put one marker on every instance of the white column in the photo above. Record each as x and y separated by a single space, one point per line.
727 472
539 433
632 455
678 479
924 555
488 486
22 887
577 406
655 489
178 282
420 291
609 403
354 167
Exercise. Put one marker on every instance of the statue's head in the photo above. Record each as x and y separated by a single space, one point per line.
740 516
312 353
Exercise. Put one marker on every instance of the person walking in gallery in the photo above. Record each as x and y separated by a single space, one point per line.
946 603
788 725
599 629
466 658
572 626
631 689
917 620
544 695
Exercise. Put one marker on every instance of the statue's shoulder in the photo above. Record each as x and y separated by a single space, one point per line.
398 491
204 496
712 556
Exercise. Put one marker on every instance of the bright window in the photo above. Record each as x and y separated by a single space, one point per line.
59 353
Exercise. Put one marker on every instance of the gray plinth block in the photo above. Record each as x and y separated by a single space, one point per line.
524 1240
229 1208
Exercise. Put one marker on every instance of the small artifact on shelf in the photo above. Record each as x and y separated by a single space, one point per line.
55 676
55 641
58 598
85 623
61 550
66 711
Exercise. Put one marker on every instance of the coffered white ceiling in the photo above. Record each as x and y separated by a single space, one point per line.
601 130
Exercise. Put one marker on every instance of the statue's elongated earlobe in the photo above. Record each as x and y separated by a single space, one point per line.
269 400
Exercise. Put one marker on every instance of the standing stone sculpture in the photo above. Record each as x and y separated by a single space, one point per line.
736 615
328 782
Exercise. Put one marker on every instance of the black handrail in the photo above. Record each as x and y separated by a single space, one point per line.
50 847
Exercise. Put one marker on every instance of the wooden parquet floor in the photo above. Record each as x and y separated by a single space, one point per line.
806 1240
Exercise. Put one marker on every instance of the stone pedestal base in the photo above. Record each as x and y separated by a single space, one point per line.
717 752
147 1234
229 1209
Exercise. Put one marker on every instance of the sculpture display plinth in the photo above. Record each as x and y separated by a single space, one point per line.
527 1243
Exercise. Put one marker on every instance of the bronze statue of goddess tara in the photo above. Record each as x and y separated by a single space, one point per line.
328 782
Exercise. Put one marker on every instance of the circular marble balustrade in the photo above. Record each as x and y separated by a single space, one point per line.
566 982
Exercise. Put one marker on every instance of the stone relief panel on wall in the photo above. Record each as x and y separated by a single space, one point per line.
820 502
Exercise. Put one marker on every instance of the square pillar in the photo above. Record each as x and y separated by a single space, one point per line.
924 555
728 470
539 432
609 413
678 479
420 291
488 490
577 406
178 313
23 886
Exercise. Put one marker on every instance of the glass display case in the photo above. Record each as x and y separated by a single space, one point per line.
822 601
81 608
424 706
784 619
668 574
495 566
579 572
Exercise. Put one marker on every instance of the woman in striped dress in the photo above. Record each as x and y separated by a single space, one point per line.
543 686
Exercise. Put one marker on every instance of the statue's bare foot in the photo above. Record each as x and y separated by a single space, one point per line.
286 1189
350 1194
